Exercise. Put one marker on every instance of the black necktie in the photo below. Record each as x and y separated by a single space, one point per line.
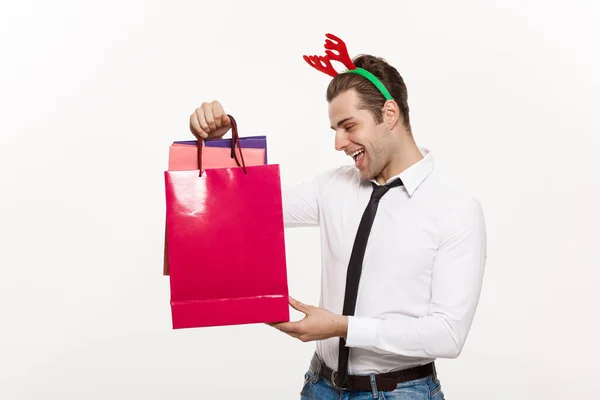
355 268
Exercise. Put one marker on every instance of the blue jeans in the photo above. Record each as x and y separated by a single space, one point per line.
319 388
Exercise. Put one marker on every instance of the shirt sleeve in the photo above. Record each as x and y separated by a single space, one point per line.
301 205
456 284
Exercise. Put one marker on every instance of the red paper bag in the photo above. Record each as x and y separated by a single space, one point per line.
226 245
185 157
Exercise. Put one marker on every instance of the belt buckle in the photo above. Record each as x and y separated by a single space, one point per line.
334 382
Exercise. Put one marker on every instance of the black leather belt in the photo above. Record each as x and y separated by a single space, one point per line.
385 382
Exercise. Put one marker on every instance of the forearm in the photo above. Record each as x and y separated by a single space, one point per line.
428 337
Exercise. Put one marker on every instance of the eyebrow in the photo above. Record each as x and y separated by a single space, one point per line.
341 122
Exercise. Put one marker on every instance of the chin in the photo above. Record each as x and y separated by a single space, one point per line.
366 174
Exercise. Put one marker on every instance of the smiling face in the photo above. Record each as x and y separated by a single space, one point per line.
358 134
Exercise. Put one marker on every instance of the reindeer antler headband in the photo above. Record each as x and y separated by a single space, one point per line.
323 63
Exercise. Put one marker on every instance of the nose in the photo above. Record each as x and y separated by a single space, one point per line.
341 140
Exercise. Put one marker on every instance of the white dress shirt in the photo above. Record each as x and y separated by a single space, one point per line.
422 271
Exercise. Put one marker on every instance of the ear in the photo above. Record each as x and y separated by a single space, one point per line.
391 114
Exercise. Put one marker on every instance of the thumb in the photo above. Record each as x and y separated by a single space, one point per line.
298 306
225 121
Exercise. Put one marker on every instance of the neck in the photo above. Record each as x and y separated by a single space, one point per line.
407 153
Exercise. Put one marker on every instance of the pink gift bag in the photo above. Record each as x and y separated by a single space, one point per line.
185 157
226 244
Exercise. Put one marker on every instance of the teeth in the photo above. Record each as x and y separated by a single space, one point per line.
356 153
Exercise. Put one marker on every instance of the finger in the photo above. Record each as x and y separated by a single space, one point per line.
289 327
275 323
296 335
225 121
298 306
195 127
202 121
210 118
218 112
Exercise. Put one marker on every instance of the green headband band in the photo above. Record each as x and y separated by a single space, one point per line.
373 79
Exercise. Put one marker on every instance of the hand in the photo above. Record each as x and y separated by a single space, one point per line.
318 324
209 121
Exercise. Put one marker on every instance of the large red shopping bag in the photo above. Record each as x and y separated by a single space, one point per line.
184 156
226 245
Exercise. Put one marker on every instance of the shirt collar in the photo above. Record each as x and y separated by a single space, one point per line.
414 175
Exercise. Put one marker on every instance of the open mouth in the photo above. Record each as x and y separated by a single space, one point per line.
358 156
357 153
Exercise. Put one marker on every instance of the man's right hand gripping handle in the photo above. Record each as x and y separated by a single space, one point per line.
209 121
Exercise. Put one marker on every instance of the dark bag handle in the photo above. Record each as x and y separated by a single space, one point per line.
235 138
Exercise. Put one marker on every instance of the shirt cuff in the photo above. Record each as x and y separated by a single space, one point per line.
362 332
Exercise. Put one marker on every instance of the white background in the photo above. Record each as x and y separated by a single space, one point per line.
504 93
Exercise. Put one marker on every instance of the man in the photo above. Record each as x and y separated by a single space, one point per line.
393 304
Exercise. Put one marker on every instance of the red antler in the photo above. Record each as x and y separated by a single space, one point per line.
342 55
323 63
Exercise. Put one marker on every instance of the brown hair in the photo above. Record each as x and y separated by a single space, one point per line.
370 98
